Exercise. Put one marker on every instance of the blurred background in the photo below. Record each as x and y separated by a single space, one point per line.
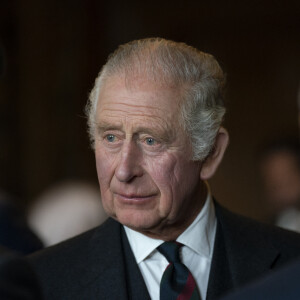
54 49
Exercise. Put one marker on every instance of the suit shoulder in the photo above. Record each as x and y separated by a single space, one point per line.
249 231
80 259
72 250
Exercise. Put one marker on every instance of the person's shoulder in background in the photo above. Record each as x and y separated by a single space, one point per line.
278 285
15 233
17 279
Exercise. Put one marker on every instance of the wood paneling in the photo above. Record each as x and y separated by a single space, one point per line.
56 48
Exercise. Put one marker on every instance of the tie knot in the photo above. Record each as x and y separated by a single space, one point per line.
170 250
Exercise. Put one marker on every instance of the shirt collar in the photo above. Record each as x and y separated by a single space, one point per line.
199 236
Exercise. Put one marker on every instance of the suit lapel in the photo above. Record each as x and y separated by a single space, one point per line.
220 279
104 277
112 272
241 253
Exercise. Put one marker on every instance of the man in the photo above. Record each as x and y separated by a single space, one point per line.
155 117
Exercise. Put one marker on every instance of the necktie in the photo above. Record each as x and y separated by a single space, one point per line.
177 281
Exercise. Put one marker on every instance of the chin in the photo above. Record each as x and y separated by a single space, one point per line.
138 221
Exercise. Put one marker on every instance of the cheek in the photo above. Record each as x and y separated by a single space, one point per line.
105 172
188 171
104 166
181 176
162 172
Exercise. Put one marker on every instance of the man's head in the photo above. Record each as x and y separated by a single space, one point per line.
154 119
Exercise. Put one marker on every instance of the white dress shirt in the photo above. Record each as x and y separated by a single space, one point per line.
196 254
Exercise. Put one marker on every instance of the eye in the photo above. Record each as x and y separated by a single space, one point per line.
110 138
150 141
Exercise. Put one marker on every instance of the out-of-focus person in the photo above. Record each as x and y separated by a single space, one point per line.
64 210
15 233
17 279
280 174
282 284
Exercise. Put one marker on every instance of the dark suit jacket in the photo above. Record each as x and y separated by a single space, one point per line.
17 279
99 264
281 284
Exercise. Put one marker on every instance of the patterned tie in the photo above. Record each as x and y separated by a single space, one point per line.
177 282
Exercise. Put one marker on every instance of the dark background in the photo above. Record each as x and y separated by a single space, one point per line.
54 50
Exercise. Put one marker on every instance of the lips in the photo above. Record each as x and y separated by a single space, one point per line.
134 198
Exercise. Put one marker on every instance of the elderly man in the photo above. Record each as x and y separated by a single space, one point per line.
155 117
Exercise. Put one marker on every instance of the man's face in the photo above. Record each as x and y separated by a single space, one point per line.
147 179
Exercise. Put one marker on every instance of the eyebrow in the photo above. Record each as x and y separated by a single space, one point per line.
166 135
103 126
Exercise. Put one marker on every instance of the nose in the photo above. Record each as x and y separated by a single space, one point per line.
129 165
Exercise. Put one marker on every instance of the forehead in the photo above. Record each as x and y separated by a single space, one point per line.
138 98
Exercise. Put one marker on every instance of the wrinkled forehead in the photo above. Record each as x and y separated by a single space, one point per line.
136 81
137 97
134 84
146 64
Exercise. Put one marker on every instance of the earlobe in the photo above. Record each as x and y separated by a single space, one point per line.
212 162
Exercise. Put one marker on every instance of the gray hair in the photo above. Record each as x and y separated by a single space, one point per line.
165 62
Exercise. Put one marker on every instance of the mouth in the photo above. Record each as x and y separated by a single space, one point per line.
133 198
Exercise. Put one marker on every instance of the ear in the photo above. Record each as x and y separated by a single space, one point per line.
211 163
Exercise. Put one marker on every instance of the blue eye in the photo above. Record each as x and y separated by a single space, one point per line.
110 138
150 141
